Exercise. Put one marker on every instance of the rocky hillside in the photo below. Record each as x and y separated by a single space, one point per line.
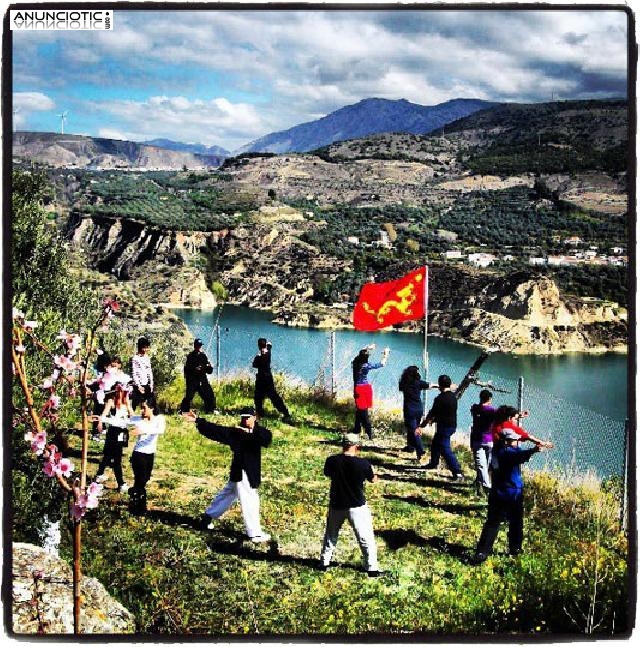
96 153
367 117
267 265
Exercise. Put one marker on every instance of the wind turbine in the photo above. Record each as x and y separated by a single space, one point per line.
63 116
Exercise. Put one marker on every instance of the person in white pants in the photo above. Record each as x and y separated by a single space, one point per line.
348 472
246 442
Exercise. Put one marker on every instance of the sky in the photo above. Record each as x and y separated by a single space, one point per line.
228 77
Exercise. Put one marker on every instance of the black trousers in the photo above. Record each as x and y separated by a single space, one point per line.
112 454
142 465
265 388
501 509
203 388
363 421
137 398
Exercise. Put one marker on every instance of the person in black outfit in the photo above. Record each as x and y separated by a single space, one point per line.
348 472
196 369
265 387
246 442
411 386
444 412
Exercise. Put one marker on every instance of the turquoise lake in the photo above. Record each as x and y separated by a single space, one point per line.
578 400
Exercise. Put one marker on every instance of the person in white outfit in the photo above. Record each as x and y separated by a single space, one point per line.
246 442
348 472
147 430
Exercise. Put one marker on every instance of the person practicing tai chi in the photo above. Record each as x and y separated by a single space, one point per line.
411 386
265 387
481 439
246 442
506 501
348 472
444 412
362 390
146 429
196 369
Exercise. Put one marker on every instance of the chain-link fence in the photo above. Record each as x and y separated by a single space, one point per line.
585 440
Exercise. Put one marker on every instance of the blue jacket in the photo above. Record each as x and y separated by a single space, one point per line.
361 378
507 481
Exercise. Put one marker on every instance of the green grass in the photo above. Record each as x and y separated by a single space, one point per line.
178 578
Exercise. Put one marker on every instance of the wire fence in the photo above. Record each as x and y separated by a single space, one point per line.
586 442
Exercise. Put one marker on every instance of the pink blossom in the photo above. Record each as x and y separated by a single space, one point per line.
112 304
64 362
19 348
50 468
77 512
47 383
29 436
95 489
39 442
53 402
66 467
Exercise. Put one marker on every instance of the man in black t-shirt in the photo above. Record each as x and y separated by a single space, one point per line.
196 369
348 472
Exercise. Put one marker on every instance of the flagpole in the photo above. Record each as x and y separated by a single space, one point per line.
425 352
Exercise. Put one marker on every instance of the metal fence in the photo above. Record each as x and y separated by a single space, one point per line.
585 440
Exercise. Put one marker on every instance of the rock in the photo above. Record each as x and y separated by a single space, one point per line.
43 598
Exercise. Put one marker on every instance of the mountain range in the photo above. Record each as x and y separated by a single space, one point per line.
198 149
367 117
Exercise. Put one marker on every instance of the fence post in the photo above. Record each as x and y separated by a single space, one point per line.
521 397
217 354
625 479
333 364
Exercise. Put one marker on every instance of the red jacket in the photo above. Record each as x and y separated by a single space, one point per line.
512 427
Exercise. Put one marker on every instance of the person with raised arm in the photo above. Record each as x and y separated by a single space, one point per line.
506 500
147 428
444 412
362 390
246 442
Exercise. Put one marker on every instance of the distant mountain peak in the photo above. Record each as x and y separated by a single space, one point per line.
368 116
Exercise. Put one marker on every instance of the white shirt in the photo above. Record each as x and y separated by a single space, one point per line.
151 429
141 369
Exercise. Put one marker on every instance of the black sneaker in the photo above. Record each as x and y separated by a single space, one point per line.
375 573
479 558
324 567
288 420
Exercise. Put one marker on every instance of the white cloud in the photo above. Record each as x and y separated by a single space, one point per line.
32 101
209 122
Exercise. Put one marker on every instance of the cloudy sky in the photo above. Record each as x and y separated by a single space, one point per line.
228 77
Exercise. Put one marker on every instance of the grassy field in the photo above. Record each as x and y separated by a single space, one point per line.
179 578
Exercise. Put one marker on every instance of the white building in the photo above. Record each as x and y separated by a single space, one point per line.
481 259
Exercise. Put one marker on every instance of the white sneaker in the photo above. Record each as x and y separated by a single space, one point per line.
101 479
124 488
211 525
261 539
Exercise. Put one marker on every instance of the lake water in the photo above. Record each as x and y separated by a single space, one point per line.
577 400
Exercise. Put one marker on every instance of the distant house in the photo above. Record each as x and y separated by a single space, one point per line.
453 255
617 251
481 259
573 240
353 240
536 260
508 257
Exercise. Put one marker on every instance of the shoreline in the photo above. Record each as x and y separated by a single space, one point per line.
618 350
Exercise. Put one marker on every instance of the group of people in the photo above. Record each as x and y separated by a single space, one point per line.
495 435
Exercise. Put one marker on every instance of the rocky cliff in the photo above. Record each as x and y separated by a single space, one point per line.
162 264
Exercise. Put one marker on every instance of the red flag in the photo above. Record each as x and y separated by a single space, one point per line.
384 304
